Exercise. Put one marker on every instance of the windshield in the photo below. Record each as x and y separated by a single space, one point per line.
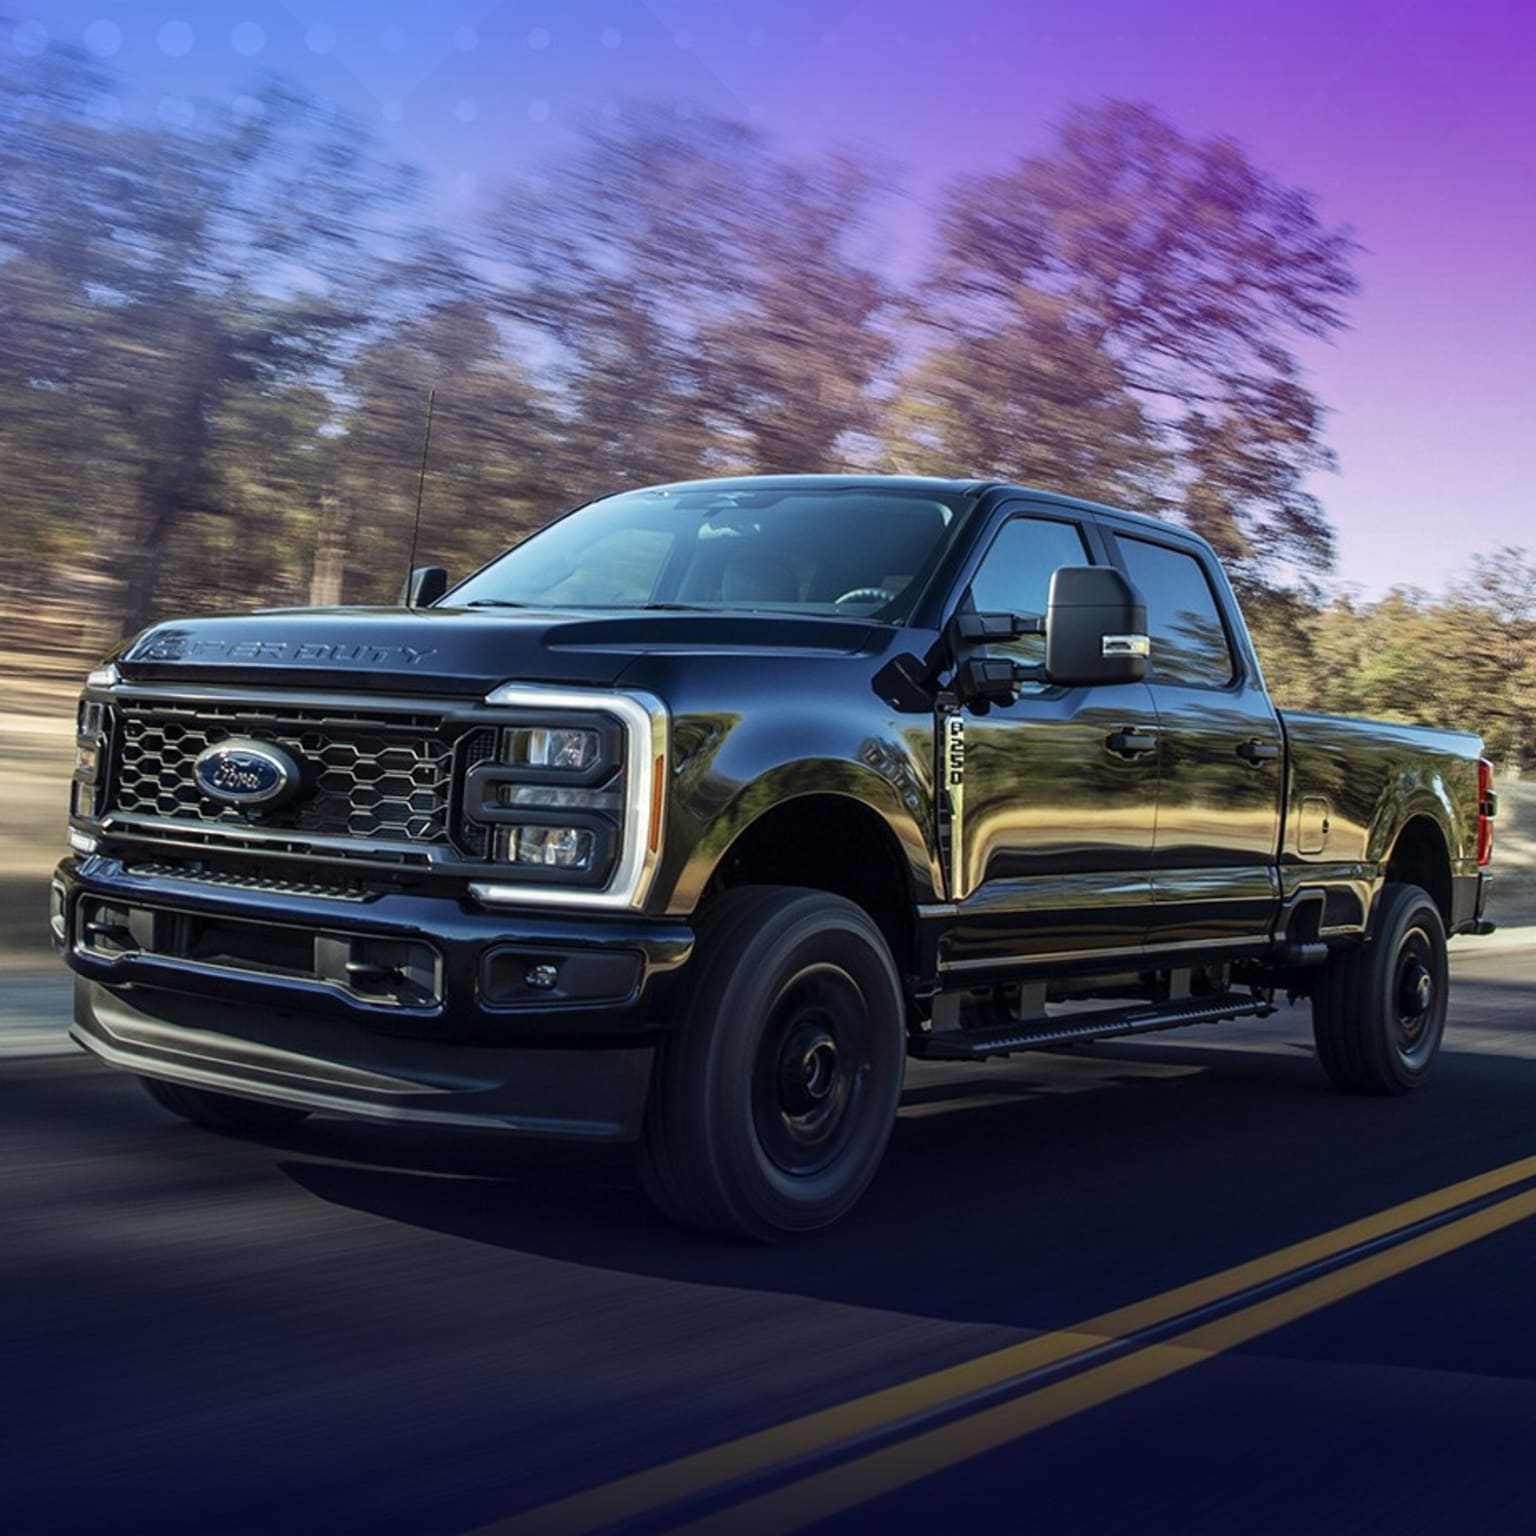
858 551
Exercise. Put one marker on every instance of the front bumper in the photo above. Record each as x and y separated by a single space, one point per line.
332 1066
283 994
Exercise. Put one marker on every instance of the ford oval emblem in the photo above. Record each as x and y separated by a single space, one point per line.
245 773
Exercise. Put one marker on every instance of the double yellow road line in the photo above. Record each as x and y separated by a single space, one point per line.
1145 1342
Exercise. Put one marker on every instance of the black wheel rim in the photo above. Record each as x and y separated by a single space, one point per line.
1416 991
808 1077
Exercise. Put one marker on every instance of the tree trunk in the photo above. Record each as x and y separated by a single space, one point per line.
328 571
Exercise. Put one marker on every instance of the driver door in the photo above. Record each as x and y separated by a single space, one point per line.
1059 788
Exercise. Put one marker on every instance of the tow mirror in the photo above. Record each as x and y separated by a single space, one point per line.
1095 628
424 586
995 679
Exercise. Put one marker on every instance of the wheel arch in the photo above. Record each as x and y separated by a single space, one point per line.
848 844
1421 855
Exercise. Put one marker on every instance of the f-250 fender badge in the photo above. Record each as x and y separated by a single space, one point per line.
245 773
953 789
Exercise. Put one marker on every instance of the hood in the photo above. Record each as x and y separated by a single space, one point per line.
456 650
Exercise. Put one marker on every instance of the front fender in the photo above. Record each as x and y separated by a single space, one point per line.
892 789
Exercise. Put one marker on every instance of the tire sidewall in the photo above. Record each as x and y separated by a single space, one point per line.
741 1001
1405 909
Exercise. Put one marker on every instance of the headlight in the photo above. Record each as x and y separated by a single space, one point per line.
87 761
540 746
569 848
90 757
553 796
574 797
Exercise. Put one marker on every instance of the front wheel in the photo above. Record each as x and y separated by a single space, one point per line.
221 1111
1378 1014
773 1102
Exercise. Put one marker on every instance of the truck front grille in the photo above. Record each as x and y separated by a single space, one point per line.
369 775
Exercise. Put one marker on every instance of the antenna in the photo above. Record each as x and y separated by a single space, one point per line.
421 488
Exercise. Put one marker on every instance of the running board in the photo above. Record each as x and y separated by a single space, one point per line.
974 1044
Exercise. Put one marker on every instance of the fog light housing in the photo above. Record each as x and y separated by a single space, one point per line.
571 848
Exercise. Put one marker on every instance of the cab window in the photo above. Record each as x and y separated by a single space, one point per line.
1189 639
1015 574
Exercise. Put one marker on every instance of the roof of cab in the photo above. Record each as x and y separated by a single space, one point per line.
934 484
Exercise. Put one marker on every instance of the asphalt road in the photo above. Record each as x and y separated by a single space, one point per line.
357 1329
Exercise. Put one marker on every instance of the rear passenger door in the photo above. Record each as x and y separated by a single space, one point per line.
1215 848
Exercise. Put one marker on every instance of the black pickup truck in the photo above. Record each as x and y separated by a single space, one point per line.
690 818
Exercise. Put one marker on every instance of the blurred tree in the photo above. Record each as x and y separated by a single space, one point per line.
1487 632
217 346
1466 661
697 298
491 477
156 281
1284 627
1173 277
267 468
788 370
1034 399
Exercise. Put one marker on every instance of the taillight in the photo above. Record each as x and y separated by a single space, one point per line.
1487 809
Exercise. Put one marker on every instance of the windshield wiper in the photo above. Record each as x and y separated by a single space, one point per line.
496 602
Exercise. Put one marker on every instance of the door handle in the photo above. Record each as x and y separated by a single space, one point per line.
1131 743
1257 753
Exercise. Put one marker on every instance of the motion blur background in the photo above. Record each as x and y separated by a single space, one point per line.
1264 270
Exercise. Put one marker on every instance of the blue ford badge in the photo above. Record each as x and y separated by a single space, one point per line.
245 773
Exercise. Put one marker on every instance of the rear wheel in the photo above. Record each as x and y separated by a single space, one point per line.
773 1102
221 1111
1378 1014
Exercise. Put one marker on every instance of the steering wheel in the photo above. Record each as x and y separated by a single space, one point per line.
868 595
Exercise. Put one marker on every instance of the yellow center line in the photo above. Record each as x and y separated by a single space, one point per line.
626 1498
871 1476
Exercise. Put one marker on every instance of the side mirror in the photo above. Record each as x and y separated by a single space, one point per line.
1095 628
424 586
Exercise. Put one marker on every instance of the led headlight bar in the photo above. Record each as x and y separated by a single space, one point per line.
575 803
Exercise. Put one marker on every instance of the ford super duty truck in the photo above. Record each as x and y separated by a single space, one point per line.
689 819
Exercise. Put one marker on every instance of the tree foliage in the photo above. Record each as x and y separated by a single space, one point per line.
699 299
218 345
1465 660
1132 299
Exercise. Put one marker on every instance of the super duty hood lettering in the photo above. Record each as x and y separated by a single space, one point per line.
178 647
440 651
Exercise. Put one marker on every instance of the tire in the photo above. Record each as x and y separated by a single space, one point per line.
221 1111
1378 1014
772 1103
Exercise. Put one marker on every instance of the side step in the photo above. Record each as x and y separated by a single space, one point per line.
974 1044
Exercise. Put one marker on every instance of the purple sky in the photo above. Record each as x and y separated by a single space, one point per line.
1414 122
